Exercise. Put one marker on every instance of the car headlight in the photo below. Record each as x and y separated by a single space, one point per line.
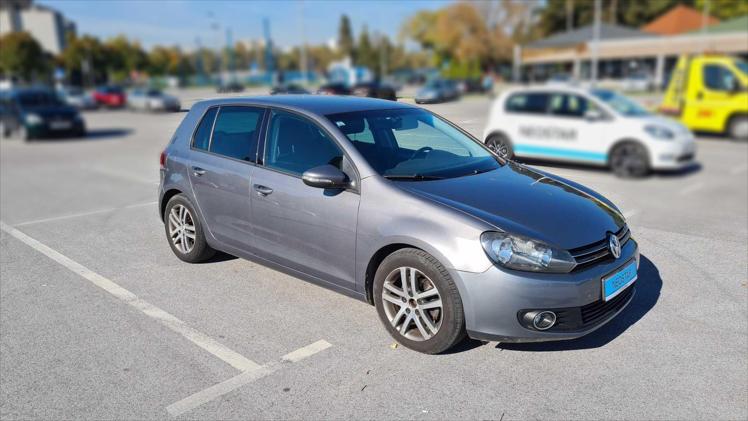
521 253
659 132
32 119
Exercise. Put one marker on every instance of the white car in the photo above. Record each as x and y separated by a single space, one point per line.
152 100
77 97
594 126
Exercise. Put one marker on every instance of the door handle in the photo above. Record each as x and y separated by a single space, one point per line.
262 190
197 171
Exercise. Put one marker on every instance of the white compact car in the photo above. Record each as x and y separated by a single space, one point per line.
152 100
594 126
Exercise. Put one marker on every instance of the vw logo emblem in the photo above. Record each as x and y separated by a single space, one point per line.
614 245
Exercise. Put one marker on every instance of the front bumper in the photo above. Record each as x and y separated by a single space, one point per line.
673 155
494 299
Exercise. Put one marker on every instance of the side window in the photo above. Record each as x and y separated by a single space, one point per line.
718 78
236 132
295 144
201 139
565 105
528 103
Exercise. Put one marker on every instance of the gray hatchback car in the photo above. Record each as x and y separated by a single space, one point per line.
391 204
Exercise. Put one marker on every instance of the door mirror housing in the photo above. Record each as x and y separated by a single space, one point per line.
593 115
326 177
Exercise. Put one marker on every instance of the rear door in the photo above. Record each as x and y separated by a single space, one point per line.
305 228
222 156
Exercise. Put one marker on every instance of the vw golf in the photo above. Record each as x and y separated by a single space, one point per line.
393 205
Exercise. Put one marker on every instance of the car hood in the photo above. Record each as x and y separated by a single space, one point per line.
516 199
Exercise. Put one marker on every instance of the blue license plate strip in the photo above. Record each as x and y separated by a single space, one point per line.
615 284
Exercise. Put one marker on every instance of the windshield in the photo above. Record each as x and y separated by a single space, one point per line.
413 144
620 103
38 99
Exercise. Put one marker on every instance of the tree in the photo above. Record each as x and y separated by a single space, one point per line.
365 54
22 56
125 57
725 9
85 60
345 38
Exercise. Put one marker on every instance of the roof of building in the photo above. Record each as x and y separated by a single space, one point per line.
314 104
678 20
585 33
739 24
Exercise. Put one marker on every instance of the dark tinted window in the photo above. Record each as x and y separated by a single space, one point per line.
201 140
236 132
719 78
38 99
565 105
529 103
295 145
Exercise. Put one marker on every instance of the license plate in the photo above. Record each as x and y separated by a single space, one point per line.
60 125
617 282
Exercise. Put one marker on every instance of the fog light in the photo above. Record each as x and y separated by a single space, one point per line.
544 320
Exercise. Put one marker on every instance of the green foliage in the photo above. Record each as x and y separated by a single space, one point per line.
345 37
22 56
725 9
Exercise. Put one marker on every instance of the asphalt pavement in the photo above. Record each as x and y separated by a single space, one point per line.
99 320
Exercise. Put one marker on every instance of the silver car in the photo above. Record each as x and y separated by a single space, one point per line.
393 205
152 100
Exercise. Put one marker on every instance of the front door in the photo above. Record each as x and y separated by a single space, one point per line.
305 228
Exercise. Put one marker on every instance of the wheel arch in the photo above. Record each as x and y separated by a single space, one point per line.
376 259
624 141
498 132
165 199
730 118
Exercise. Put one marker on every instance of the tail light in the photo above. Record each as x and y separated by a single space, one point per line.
162 160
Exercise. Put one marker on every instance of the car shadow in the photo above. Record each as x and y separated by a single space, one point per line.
682 172
220 256
91 135
648 288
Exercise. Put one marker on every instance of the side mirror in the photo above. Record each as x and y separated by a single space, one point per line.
593 115
325 177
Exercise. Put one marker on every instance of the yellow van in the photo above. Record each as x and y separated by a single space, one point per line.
709 93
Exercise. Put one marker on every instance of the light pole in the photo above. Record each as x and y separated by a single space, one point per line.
595 43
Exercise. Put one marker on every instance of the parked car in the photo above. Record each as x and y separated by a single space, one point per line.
77 97
152 100
230 87
438 90
395 206
334 88
32 113
110 96
592 126
637 82
375 89
290 89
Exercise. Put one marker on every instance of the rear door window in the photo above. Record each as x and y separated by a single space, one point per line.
528 103
236 132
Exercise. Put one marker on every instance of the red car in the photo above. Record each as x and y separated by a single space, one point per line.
110 96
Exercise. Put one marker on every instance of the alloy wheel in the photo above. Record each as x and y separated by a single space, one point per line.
182 228
499 147
412 304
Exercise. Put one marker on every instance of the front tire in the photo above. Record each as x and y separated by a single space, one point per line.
185 232
418 302
630 160
500 145
738 128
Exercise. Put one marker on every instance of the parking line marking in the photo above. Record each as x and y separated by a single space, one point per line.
81 214
200 339
193 401
739 169
692 188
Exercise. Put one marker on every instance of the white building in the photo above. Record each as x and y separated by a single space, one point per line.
48 27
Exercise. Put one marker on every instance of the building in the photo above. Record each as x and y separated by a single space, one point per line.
48 26
623 52
678 20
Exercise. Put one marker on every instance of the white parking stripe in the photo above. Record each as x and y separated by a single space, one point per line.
193 401
205 342
80 214
692 188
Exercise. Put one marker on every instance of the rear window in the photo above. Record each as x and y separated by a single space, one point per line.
201 140
528 103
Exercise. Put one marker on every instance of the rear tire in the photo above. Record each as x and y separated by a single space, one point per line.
738 128
425 314
630 160
500 145
185 232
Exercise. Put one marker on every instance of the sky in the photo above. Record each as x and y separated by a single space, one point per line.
181 22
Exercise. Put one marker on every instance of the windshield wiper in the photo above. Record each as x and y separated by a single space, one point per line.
416 177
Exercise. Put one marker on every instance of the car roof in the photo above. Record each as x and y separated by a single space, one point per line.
550 88
313 104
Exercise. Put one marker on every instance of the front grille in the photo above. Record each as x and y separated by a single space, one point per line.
579 318
598 252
